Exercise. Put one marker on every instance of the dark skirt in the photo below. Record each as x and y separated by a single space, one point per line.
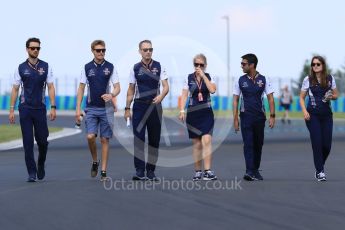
199 122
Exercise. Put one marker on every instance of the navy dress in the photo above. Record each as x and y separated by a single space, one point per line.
200 117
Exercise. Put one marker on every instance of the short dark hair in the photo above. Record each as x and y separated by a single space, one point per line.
32 40
251 58
144 41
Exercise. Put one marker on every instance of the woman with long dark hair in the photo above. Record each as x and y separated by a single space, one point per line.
320 88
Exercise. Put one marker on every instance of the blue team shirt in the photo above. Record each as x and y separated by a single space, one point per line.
147 80
192 86
98 78
316 93
33 80
252 94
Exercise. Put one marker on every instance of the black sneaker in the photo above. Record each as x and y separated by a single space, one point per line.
31 179
209 175
94 169
249 177
40 171
198 175
104 176
139 175
151 176
258 176
320 176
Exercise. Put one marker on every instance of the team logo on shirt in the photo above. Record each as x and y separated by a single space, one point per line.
41 71
91 73
141 72
26 72
245 84
106 71
154 71
260 83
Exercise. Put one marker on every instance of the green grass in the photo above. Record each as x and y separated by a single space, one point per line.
13 132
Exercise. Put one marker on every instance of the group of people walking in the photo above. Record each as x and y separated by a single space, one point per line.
146 79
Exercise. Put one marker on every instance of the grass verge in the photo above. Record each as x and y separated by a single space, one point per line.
13 132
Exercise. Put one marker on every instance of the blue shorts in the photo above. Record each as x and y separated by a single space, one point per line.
286 106
101 119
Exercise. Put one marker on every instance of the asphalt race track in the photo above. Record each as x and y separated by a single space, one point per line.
68 198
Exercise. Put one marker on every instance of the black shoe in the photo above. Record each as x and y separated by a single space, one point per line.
321 176
209 175
249 177
198 175
31 179
40 171
258 176
289 121
139 175
104 176
94 169
151 176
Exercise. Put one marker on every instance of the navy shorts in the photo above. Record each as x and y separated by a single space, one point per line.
286 106
101 119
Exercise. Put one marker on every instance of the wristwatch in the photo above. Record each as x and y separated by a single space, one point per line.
127 108
53 106
273 115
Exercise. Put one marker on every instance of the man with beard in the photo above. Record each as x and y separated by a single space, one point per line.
33 76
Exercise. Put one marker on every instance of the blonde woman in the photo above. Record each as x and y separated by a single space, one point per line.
199 116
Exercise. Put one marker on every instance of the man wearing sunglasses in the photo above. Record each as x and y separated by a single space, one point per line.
252 87
33 76
100 104
144 86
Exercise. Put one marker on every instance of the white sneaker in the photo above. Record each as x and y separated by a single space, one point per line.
320 176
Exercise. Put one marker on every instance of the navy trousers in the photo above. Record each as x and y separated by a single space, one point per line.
252 130
320 129
146 116
33 123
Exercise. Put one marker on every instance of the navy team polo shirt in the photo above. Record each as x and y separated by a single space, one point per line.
252 94
147 79
316 94
33 80
97 76
194 91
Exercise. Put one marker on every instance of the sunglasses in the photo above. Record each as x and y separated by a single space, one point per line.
244 63
147 49
100 50
315 64
199 65
34 48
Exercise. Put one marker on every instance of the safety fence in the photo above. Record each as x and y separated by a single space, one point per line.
219 103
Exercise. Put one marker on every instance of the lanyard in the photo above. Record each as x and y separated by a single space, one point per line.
147 66
33 66
200 97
